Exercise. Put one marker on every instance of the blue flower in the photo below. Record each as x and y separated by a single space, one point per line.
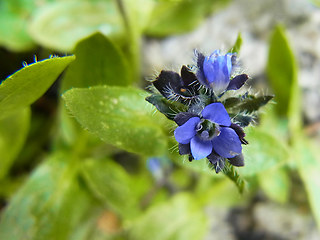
215 71
209 135
153 164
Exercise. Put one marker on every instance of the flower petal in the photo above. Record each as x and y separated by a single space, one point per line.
187 76
215 112
217 69
168 80
227 144
199 148
185 132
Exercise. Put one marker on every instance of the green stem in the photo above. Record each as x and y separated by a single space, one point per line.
133 40
234 176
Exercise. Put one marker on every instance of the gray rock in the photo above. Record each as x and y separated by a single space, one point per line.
286 222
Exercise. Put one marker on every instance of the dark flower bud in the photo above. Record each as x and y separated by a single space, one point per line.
175 87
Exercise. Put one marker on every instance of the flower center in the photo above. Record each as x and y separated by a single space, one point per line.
207 130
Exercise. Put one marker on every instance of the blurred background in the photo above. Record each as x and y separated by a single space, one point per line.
105 191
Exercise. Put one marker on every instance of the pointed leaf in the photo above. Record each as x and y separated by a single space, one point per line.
237 45
98 62
307 157
119 116
281 70
28 84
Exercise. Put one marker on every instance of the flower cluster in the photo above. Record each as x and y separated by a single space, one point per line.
210 122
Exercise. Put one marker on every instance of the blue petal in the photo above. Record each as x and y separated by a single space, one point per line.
227 144
215 112
217 69
153 164
185 132
228 61
199 148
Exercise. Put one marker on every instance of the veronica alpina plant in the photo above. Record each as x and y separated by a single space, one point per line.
210 125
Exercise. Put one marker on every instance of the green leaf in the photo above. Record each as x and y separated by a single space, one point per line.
282 70
110 183
13 25
60 25
98 62
13 132
237 45
179 218
28 84
13 34
263 152
49 205
119 116
276 184
307 156
138 13
176 17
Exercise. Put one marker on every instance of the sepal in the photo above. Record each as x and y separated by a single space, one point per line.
237 161
184 149
237 82
246 103
242 119
182 117
167 107
217 161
